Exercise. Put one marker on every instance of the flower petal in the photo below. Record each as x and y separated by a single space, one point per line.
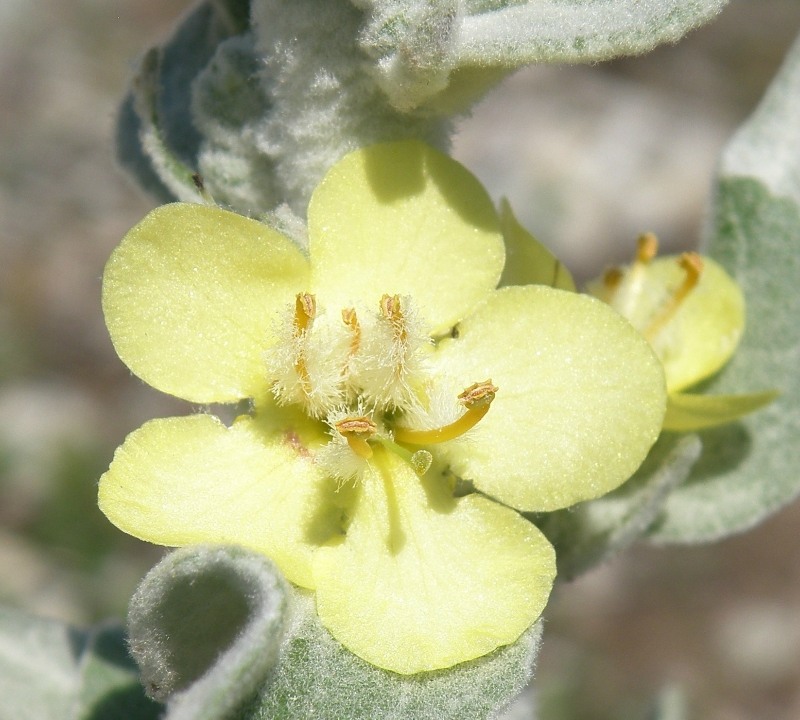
189 480
693 336
581 397
707 327
402 218
423 581
528 262
687 413
190 296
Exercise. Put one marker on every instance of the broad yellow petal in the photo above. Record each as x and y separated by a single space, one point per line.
190 297
402 218
693 332
423 581
581 397
190 480
686 413
528 262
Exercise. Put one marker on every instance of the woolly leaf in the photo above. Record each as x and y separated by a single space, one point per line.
595 531
263 100
205 626
749 470
217 635
156 138
318 679
515 34
110 687
52 671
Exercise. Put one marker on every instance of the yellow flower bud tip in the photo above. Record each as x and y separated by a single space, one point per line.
476 399
692 314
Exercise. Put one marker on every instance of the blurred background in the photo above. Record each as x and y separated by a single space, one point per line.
588 156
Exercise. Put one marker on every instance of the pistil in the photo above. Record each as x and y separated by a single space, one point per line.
476 399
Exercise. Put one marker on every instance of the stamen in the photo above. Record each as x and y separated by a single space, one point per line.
305 309
612 278
357 431
350 319
476 399
636 276
692 265
612 282
392 310
646 248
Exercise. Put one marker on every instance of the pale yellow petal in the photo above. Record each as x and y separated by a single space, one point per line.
528 262
706 328
190 297
422 581
402 218
191 480
581 397
687 413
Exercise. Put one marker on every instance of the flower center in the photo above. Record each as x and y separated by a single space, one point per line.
366 374
646 300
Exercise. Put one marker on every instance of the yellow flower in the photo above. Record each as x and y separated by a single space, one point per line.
384 369
692 312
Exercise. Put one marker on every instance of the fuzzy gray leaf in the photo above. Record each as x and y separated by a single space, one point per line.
575 30
205 626
52 671
317 679
595 531
750 469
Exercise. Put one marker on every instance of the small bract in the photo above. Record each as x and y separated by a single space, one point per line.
383 367
692 313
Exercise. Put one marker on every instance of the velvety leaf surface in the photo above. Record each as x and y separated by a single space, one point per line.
110 687
205 626
156 139
750 469
317 679
52 671
575 30
596 531
211 625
